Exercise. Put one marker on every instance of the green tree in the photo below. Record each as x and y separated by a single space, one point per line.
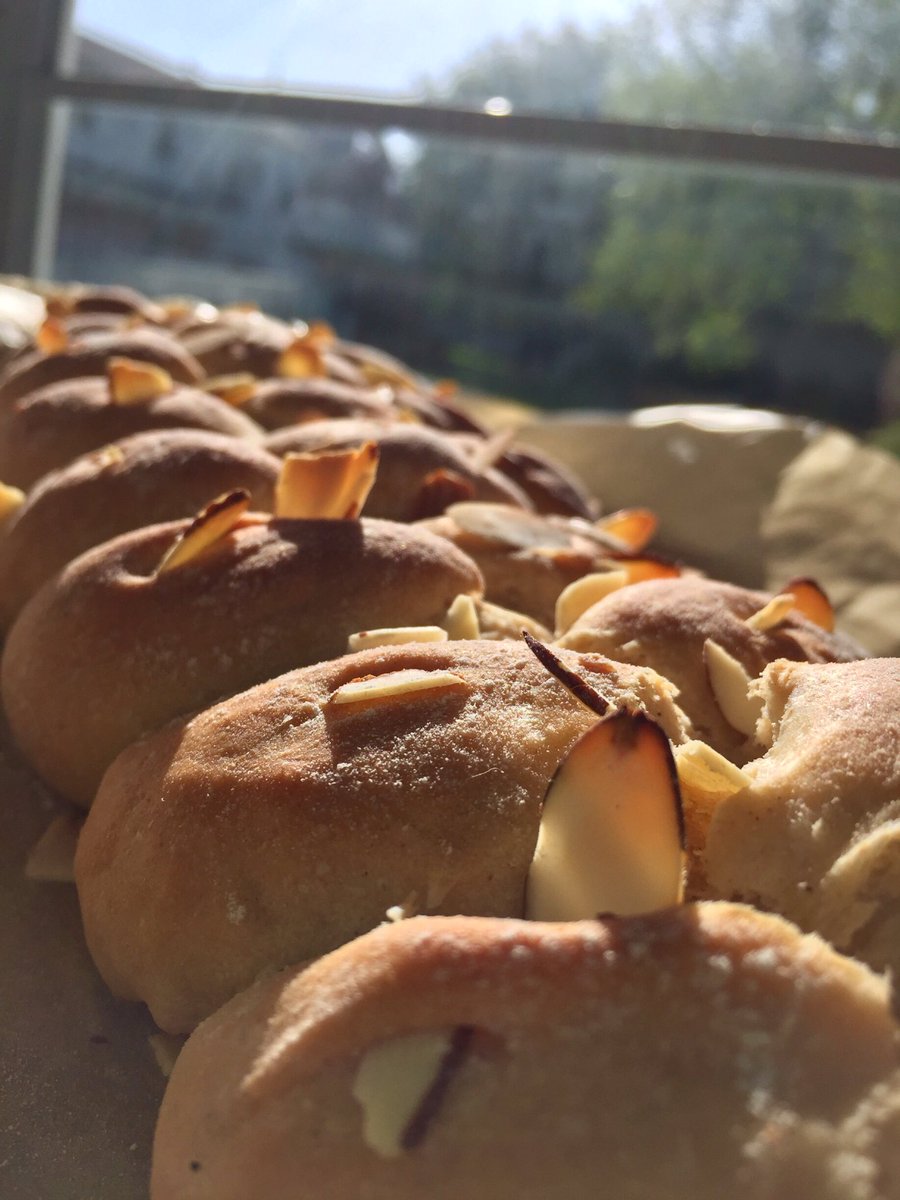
705 260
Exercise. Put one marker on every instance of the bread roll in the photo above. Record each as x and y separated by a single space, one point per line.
665 624
141 480
112 647
285 822
815 834
410 457
50 427
277 403
705 1052
89 355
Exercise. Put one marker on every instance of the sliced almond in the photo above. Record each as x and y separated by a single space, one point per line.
632 527
639 570
510 526
580 688
11 499
772 614
108 456
134 382
730 685
367 638
611 838
701 767
394 683
52 337
402 912
585 592
488 452
461 621
811 600
445 389
401 1084
234 389
386 372
166 1047
210 525
440 489
505 624
52 858
330 484
302 359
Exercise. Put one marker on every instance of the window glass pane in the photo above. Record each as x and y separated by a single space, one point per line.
557 278
786 64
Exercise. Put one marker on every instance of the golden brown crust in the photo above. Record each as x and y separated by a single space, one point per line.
815 834
235 341
697 1052
277 403
409 454
286 824
89 355
664 624
526 579
109 649
141 480
49 428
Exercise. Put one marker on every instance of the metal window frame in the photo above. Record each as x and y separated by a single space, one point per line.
36 42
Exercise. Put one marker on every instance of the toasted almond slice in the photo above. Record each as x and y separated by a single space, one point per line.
611 838
394 683
771 614
440 489
633 527
488 452
234 389
241 306
402 912
445 389
210 525
581 595
302 359
166 1047
701 767
812 601
327 485
580 688
321 335
498 624
401 1084
52 337
385 372
730 685
640 569
134 382
11 499
510 526
52 858
108 456
367 638
461 621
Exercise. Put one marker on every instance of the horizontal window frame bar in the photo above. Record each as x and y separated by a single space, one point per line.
844 155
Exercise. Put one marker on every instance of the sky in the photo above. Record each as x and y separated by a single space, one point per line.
351 45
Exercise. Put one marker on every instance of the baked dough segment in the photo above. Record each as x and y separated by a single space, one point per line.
665 623
816 833
705 1051
409 455
140 480
278 824
111 648
50 427
88 355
